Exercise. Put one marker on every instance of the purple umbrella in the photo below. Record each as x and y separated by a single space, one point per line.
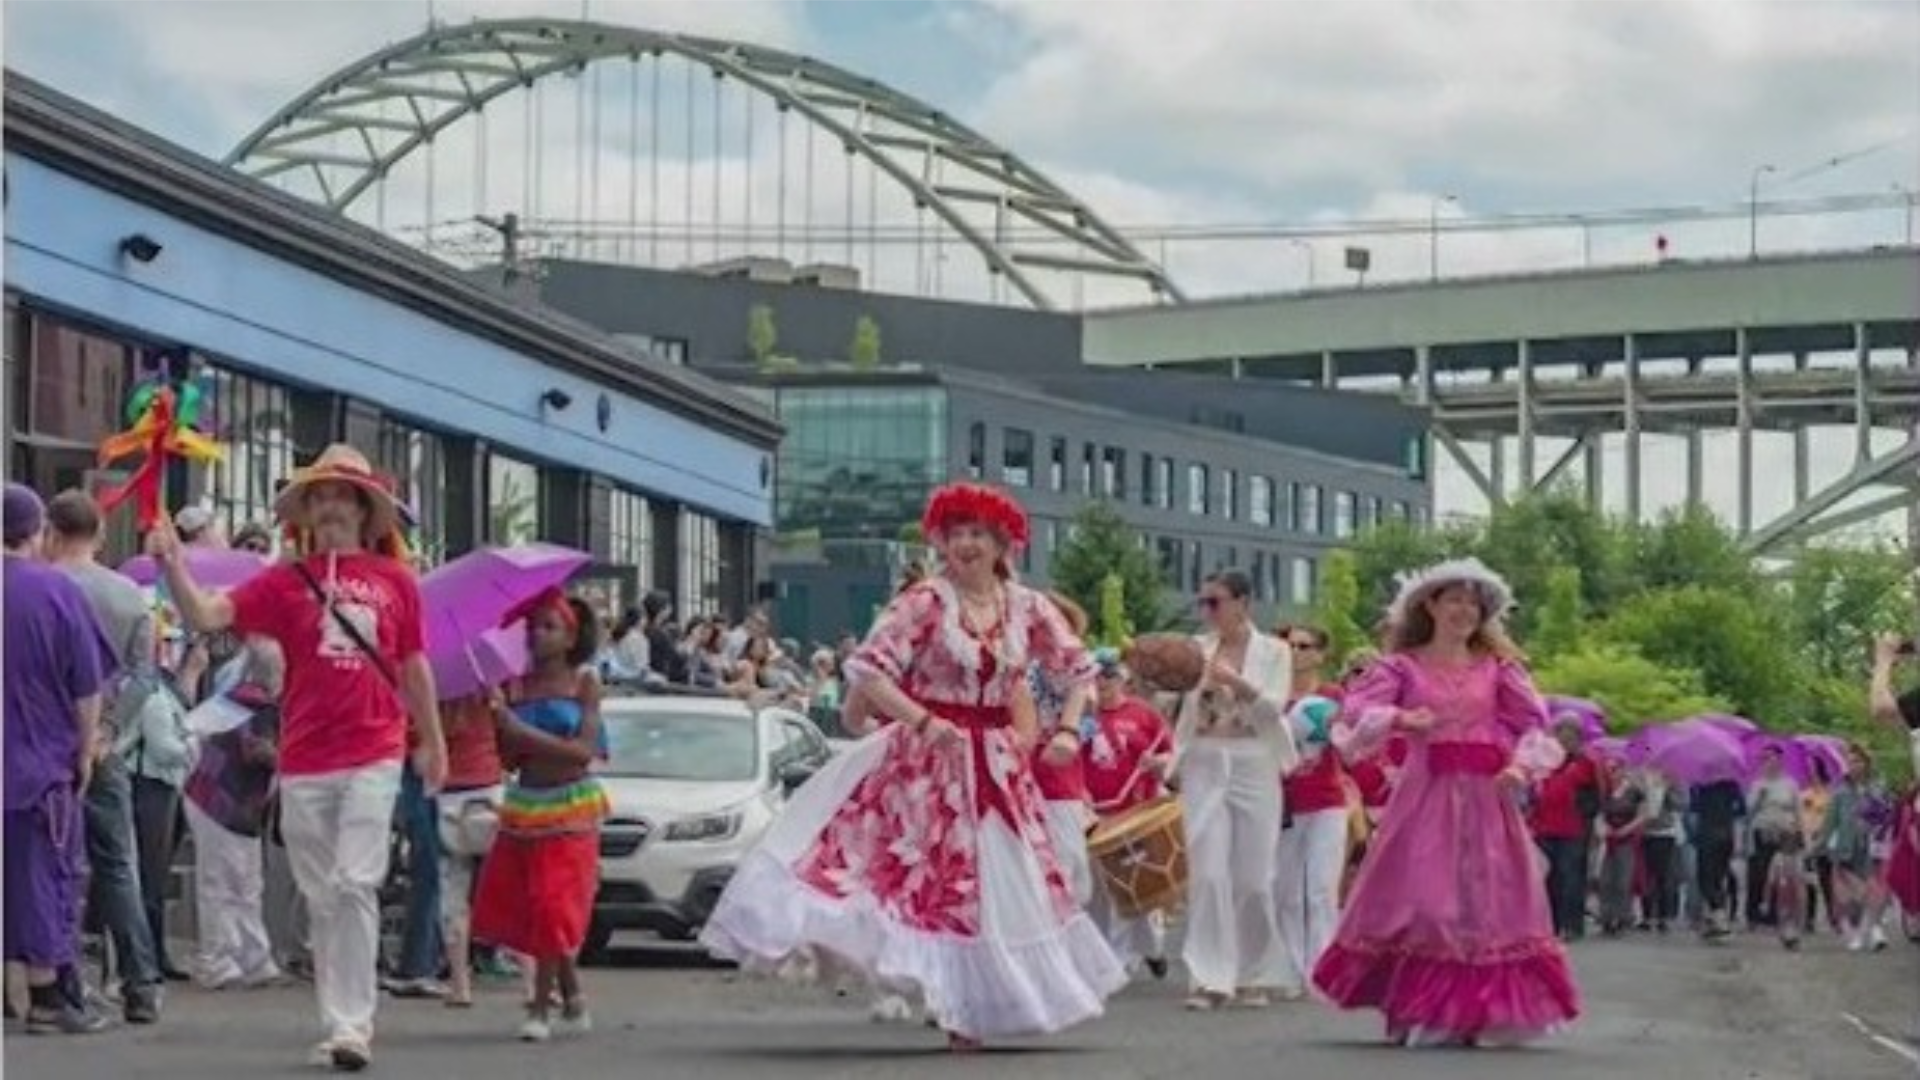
475 592
1737 726
210 568
1827 748
1795 761
1592 715
1612 748
480 663
1697 752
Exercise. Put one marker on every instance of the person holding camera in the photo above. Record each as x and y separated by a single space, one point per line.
1891 708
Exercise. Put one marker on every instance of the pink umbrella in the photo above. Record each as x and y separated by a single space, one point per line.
1737 726
210 568
1612 748
1696 752
1794 759
480 663
1593 717
475 592
1830 749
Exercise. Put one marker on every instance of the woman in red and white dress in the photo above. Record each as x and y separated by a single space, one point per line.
920 858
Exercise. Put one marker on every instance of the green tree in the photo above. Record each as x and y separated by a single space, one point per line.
864 353
1390 549
1839 599
1691 547
1333 609
1635 691
1738 642
1099 545
1114 628
763 336
1558 626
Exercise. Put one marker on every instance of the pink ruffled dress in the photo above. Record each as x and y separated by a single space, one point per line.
1447 930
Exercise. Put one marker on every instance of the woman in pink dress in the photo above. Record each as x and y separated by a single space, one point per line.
920 858
1447 931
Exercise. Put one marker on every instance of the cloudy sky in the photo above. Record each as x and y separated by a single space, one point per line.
1283 113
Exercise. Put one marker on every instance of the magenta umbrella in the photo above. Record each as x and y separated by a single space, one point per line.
1697 752
210 568
1737 726
1592 715
1830 749
1795 761
480 663
1612 748
474 593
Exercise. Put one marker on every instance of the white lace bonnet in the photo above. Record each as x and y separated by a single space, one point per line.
1496 596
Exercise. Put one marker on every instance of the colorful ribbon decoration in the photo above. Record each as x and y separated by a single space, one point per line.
163 426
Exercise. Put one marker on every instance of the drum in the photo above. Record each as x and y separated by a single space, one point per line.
1141 856
1167 662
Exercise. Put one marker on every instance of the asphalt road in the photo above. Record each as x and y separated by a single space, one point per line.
1657 1009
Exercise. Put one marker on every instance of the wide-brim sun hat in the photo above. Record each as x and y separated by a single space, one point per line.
1496 596
340 464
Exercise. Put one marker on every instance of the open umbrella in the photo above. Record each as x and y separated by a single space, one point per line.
210 568
1830 749
1611 748
1592 715
471 595
480 663
1697 752
1795 760
1737 726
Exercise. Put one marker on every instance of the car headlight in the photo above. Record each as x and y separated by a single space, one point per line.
697 829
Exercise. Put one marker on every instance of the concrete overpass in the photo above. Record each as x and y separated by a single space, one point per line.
1577 354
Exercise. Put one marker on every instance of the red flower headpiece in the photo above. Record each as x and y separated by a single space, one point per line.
975 504
552 597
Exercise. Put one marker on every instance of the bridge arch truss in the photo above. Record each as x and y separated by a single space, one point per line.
347 135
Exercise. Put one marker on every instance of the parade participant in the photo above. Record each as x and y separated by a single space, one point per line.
542 871
1857 835
226 806
1126 759
1448 931
469 811
346 614
1564 807
56 664
1057 767
920 857
1315 825
1231 747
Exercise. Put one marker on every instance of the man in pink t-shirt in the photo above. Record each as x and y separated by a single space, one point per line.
346 614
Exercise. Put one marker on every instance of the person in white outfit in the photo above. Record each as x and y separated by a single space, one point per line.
226 805
1313 828
1231 747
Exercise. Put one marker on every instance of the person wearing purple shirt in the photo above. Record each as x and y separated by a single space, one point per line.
55 664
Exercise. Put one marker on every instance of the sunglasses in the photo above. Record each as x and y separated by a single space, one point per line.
1211 603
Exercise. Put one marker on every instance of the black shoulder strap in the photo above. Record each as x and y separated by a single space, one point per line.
346 626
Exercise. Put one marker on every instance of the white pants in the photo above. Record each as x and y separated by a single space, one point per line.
337 827
1230 793
1067 823
1306 886
228 881
1132 939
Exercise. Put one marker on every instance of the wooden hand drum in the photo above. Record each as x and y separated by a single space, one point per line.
1141 856
1168 662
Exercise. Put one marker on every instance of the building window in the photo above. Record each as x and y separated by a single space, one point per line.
1113 473
1260 501
1163 483
1057 465
1086 468
1195 566
1401 511
513 500
1197 495
77 384
1146 480
1369 511
976 450
1310 521
254 421
630 534
1016 457
859 462
1287 514
700 562
1230 494
1303 581
1343 514
1050 531
1169 551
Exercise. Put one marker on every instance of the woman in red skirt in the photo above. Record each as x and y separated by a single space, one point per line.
538 882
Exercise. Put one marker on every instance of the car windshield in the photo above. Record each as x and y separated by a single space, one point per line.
662 744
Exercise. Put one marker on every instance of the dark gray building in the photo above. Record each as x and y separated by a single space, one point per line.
1213 472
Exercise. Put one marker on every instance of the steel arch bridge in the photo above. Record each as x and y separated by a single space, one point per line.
353 130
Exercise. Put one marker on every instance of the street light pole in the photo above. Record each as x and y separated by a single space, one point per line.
1753 209
1308 248
1907 194
1433 234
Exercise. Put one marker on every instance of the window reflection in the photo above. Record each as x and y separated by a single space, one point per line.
513 500
253 420
858 461
700 563
630 534
416 459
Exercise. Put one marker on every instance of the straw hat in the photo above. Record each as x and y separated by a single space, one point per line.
343 464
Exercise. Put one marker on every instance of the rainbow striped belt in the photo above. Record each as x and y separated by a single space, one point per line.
576 807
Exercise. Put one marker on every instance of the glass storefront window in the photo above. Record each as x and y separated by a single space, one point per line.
513 500
78 384
700 564
630 534
253 419
417 461
1016 457
858 462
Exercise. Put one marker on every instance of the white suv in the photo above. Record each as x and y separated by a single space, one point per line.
694 782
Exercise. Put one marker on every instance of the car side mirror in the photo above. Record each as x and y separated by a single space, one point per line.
794 774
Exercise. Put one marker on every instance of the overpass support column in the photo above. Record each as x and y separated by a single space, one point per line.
1423 376
1596 474
1696 452
1630 421
1862 394
1523 369
1743 420
1329 371
1802 451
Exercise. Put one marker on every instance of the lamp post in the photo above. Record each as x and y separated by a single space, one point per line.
1433 234
1308 248
1907 195
1753 209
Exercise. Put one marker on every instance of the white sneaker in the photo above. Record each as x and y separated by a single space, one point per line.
1877 938
535 1030
321 1056
891 1009
351 1055
579 1022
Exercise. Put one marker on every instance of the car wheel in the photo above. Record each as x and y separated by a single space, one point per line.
599 937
